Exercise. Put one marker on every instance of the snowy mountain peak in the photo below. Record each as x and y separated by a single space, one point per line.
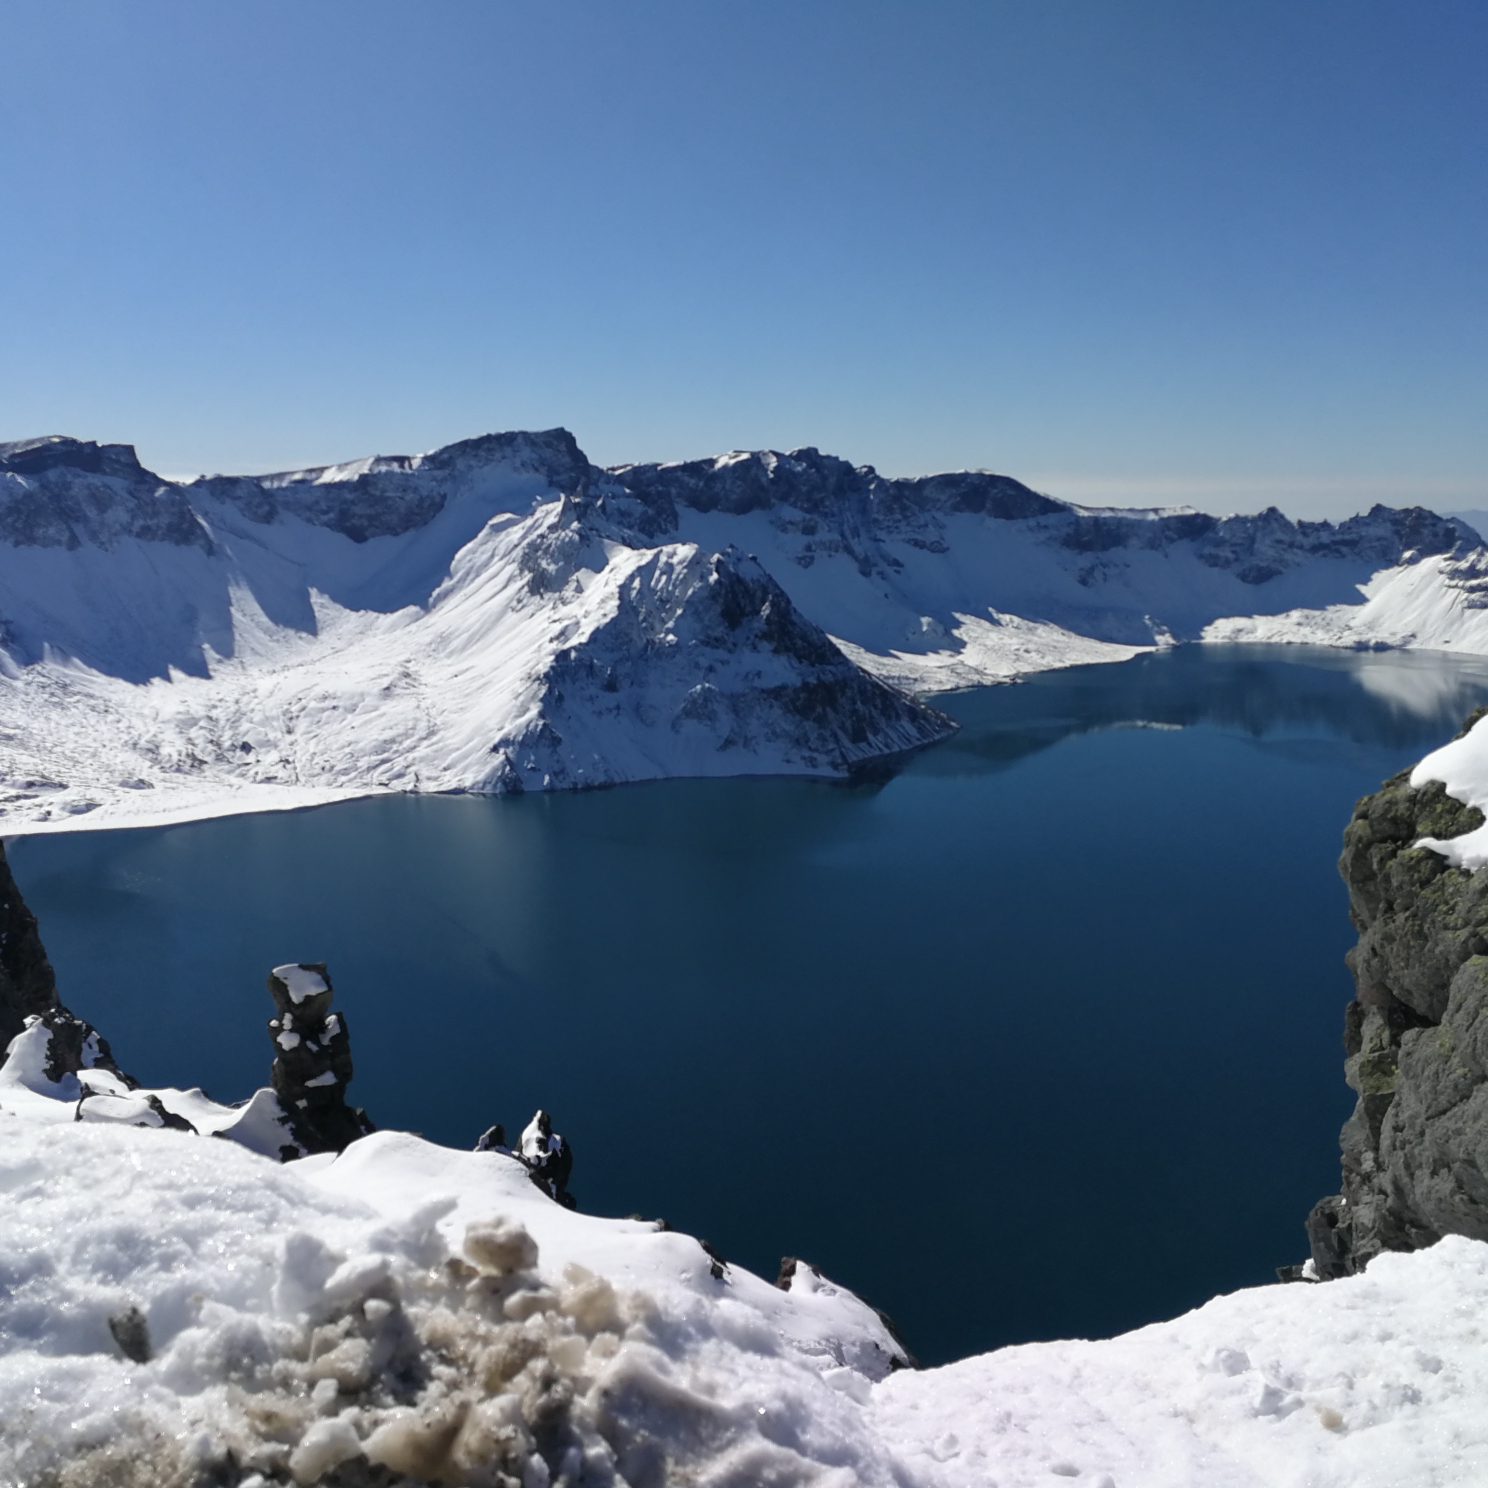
58 492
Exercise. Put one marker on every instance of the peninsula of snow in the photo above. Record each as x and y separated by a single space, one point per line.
502 615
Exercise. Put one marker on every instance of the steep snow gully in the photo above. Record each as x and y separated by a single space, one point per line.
502 615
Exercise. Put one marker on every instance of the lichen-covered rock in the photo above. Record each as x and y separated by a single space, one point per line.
312 1061
1415 1150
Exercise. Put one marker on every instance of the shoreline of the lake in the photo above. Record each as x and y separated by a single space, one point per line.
725 989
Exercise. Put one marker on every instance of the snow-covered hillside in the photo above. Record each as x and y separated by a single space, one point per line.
470 620
967 578
502 615
177 1311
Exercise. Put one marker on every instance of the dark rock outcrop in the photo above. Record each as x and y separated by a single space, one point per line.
548 1158
28 986
312 1061
131 1332
1415 1150
28 989
58 492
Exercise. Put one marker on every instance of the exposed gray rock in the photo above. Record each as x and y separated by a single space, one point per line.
58 492
1415 1150
312 1061
132 1334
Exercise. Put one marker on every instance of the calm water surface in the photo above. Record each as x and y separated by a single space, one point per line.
1039 1038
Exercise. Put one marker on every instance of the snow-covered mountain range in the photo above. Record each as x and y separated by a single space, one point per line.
501 614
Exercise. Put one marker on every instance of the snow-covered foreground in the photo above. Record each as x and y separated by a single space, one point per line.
431 1312
502 615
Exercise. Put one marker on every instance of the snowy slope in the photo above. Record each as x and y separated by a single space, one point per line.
502 615
433 1312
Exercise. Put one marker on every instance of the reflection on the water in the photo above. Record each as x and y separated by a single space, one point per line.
1396 700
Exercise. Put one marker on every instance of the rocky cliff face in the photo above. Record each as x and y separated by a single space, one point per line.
1415 1151
389 495
57 492
28 989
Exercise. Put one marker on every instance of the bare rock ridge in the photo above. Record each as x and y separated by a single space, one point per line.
61 493
1415 1150
389 495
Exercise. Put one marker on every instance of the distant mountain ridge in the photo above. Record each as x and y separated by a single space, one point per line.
502 614
1257 547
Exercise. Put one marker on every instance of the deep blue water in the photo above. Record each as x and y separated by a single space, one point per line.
1040 1037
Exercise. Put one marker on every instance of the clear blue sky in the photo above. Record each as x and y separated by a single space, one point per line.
1125 249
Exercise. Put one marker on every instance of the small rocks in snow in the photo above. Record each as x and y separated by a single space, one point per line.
717 1266
138 1108
493 1139
132 1334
